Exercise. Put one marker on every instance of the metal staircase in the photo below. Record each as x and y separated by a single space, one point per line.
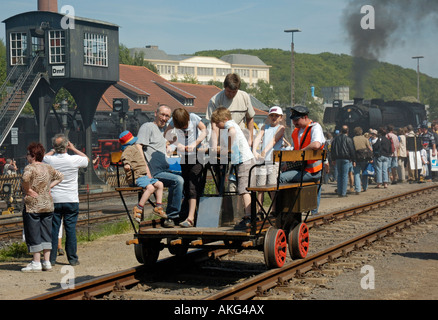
13 102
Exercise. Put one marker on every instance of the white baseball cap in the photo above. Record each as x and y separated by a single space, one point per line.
276 110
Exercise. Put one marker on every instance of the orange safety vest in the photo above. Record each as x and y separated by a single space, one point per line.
312 166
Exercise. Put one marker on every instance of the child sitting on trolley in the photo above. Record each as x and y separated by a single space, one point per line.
134 163
241 156
269 138
189 135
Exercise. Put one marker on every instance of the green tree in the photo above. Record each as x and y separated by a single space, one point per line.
125 57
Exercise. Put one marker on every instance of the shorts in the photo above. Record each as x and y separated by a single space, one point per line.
243 176
37 230
267 174
145 181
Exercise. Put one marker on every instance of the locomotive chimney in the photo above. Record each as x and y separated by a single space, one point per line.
48 5
358 100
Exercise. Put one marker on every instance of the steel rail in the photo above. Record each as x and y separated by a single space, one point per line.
260 284
118 281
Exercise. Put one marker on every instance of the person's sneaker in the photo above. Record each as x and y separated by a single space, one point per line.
159 211
46 266
61 252
168 223
244 224
74 263
138 214
33 267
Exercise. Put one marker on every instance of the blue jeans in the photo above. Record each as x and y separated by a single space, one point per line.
69 212
175 185
295 176
381 164
343 167
360 180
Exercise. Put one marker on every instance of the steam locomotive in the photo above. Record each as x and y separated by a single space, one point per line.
374 114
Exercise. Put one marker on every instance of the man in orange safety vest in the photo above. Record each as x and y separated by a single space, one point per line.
307 135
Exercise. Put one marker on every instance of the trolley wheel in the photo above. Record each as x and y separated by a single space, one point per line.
177 250
298 241
275 248
147 251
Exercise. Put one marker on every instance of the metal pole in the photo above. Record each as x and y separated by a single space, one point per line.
292 72
418 76
292 67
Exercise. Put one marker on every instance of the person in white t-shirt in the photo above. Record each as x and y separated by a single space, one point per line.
65 194
238 102
241 156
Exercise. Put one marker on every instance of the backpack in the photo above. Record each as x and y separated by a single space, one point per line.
392 144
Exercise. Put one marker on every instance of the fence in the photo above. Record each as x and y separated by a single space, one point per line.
110 178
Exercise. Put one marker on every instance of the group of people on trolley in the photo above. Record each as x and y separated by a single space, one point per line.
50 180
230 113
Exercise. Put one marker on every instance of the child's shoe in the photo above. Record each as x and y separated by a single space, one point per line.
159 211
138 214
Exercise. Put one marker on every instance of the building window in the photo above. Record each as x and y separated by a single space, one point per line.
242 72
37 46
142 100
165 69
186 70
95 50
222 72
57 47
18 45
205 71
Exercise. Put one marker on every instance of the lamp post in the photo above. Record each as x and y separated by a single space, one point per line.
292 67
418 75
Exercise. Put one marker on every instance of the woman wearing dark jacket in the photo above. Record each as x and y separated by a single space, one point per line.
382 152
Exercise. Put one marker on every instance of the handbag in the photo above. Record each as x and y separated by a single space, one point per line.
364 154
369 170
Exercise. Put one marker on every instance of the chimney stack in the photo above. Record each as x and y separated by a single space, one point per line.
48 5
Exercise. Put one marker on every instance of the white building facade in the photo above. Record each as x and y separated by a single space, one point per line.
205 69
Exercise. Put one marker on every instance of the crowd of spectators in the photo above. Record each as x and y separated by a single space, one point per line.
382 156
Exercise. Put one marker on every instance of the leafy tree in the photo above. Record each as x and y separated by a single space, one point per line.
136 60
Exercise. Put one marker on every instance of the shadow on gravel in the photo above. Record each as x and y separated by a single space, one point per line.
419 255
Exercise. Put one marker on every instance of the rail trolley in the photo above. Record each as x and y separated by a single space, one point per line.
276 231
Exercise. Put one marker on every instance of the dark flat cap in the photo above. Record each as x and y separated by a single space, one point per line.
298 112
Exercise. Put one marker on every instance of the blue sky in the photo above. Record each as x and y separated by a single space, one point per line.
184 27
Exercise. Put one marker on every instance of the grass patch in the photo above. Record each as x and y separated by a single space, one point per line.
19 250
103 230
15 251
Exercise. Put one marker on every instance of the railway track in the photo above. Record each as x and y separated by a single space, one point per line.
11 226
333 236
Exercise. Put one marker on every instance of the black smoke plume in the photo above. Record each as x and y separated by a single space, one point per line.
395 21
